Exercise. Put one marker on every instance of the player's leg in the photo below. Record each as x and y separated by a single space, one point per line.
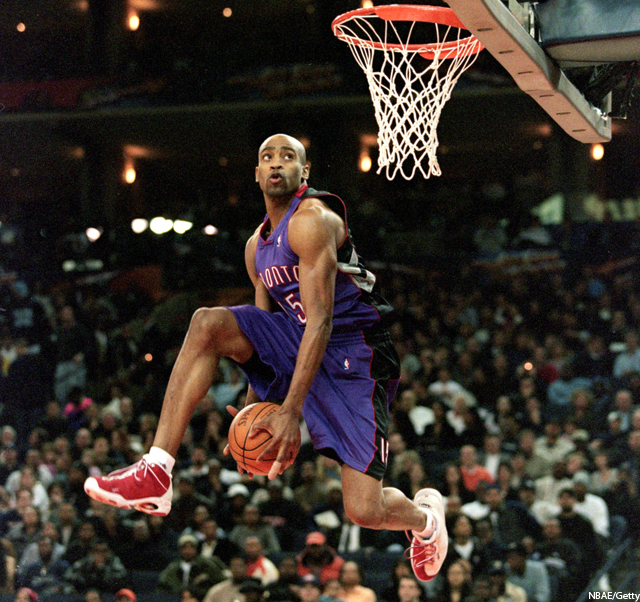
213 333
146 486
369 504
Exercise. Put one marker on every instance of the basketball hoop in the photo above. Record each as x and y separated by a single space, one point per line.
409 82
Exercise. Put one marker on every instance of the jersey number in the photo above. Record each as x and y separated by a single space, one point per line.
297 307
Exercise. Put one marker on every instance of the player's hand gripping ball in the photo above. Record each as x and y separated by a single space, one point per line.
245 450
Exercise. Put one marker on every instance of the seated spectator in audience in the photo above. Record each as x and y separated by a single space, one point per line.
354 538
191 570
258 565
351 581
9 462
252 525
489 547
536 466
410 590
328 516
310 493
186 501
627 362
215 544
531 575
285 516
590 505
553 445
67 523
622 500
26 479
80 546
319 558
228 590
125 595
253 590
604 477
331 591
287 586
502 589
26 531
439 435
562 557
511 521
453 484
457 585
580 530
198 517
100 570
445 387
462 544
548 487
472 472
401 568
623 405
45 574
232 509
31 553
141 552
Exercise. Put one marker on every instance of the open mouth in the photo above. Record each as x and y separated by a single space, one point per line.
275 178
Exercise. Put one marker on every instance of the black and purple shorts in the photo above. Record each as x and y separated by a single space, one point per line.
346 410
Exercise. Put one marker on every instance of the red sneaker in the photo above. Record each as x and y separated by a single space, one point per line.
144 486
428 553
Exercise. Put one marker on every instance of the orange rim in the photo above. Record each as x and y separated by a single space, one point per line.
412 13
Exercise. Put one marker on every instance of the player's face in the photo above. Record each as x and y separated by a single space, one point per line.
281 166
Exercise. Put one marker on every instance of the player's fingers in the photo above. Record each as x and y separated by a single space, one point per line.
232 410
276 469
226 451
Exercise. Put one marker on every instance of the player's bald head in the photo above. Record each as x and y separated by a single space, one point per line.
286 140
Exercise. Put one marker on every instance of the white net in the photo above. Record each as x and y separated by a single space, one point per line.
409 84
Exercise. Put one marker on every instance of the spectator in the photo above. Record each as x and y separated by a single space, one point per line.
548 487
258 565
530 575
456 587
228 590
591 506
100 570
331 591
511 521
351 581
216 544
562 557
31 554
472 472
604 476
453 484
231 513
26 531
553 446
580 530
310 493
252 589
285 516
287 587
502 589
319 558
401 568
535 465
187 500
67 523
252 525
463 545
623 403
310 589
627 362
191 570
141 552
541 510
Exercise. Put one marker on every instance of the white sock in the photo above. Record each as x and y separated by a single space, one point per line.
430 527
159 456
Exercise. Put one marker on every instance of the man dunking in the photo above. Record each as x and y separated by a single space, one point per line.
327 354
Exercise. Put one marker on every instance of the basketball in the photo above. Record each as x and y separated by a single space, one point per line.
244 450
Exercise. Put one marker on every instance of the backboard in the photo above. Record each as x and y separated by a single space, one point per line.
537 42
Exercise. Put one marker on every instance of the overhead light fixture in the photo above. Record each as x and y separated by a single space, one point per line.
133 22
139 225
160 225
180 226
210 230
93 234
21 27
597 152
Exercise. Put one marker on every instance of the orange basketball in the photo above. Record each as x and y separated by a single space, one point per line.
245 450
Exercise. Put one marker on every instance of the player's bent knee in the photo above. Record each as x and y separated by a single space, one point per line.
364 515
209 325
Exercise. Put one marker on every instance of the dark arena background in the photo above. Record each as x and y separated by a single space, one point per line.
129 135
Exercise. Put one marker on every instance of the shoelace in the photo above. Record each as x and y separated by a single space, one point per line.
430 551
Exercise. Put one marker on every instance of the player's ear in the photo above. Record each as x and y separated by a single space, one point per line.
256 174
305 170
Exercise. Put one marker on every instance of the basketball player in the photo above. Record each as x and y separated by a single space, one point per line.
327 354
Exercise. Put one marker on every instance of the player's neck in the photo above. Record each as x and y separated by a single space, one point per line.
277 208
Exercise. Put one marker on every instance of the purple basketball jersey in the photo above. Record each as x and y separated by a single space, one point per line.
355 306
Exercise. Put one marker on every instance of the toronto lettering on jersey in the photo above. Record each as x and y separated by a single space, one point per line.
279 274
